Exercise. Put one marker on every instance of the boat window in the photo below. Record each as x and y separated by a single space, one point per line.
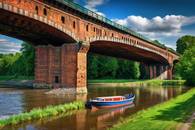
100 99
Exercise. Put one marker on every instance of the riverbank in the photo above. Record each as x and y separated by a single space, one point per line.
27 82
16 78
42 113
169 115
134 83
16 82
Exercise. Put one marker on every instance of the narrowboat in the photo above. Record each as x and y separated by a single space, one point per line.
110 101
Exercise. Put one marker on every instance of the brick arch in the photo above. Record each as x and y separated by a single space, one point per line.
24 25
123 48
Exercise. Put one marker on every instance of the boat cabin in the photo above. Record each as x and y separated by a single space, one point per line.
112 98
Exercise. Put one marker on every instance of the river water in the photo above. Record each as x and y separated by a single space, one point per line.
14 101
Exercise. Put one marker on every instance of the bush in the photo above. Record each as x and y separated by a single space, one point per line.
186 66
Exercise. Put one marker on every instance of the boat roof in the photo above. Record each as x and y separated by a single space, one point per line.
111 97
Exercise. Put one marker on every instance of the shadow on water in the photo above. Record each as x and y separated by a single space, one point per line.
174 113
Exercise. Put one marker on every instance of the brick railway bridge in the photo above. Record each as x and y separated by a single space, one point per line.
63 32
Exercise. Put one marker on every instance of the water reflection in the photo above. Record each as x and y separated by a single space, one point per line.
11 102
87 119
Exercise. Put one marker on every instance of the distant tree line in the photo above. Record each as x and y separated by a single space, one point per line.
103 67
19 64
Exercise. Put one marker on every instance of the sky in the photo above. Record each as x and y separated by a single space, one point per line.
162 20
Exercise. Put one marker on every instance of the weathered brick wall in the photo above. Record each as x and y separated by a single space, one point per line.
68 63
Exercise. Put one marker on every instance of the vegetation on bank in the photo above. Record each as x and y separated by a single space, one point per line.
39 113
104 67
168 115
148 82
19 64
16 78
186 66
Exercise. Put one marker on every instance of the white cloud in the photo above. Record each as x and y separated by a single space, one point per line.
165 25
159 28
9 47
92 4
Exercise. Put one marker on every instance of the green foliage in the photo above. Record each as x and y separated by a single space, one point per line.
128 70
39 113
107 67
186 66
184 43
165 116
102 67
19 63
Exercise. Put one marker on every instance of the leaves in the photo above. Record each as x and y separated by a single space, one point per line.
186 66
184 43
20 63
102 67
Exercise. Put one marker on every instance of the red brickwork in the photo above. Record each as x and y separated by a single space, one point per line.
64 66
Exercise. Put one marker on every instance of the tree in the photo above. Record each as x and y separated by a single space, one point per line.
28 55
20 63
107 67
100 67
92 67
186 66
184 43
128 69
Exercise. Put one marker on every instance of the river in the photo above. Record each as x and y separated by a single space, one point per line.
14 101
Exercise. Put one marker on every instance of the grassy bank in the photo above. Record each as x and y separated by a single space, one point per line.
169 115
41 113
17 78
139 82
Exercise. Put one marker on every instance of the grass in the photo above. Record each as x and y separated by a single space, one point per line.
140 82
17 78
111 80
39 113
166 116
193 125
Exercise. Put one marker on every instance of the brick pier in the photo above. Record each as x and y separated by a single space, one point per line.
62 67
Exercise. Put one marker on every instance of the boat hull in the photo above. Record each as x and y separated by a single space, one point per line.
111 104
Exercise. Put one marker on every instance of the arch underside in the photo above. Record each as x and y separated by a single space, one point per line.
31 30
125 51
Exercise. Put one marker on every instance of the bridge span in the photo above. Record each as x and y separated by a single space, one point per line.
63 32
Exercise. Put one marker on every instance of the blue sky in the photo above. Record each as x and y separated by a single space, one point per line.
163 20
